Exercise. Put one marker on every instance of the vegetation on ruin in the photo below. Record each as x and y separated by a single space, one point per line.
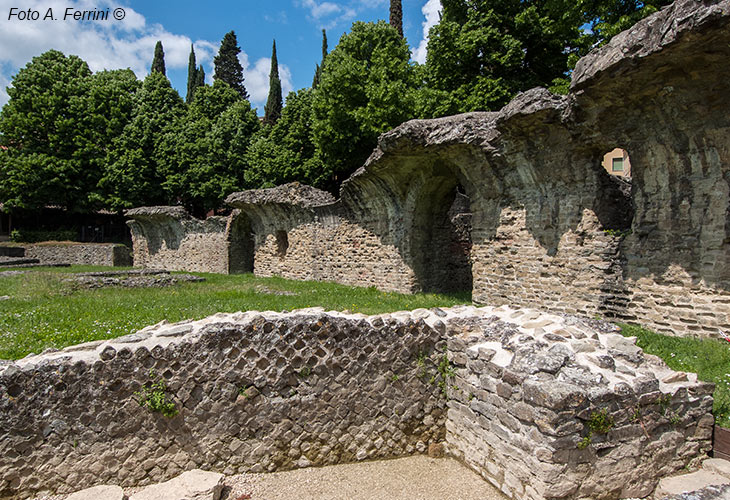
44 311
708 358
154 396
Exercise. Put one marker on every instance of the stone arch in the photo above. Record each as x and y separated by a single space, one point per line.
439 246
240 244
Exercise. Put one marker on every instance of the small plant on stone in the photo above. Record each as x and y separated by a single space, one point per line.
636 415
674 418
394 377
305 371
664 402
421 365
599 422
445 371
153 396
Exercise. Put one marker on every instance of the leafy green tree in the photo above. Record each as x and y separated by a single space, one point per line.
608 18
396 15
485 51
228 68
204 150
272 110
135 164
366 89
285 152
158 61
52 159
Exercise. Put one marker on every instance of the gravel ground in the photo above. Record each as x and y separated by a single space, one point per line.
413 478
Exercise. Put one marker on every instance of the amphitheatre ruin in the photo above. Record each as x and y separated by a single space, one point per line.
513 206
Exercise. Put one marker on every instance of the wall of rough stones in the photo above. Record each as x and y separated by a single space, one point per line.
269 391
527 387
84 254
171 239
549 227
255 392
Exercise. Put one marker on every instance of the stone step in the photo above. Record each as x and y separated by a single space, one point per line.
686 483
718 466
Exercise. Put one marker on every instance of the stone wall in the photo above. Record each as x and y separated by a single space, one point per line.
83 254
268 391
549 228
171 239
255 392
530 390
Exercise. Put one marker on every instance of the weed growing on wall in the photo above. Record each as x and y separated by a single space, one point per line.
154 397
599 422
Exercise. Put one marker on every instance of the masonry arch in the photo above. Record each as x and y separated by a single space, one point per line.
240 245
439 247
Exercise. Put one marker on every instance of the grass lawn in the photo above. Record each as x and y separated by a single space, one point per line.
709 359
46 311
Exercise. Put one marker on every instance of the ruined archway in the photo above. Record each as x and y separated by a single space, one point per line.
440 240
241 245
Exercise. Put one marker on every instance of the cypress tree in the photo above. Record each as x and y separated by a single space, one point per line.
192 75
227 66
200 77
396 15
158 61
272 110
318 70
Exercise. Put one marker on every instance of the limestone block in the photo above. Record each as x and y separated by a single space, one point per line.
98 493
191 485
685 483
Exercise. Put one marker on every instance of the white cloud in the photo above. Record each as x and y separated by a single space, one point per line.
431 12
256 81
327 14
109 44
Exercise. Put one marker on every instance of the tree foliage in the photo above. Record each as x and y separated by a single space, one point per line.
366 89
58 126
285 152
134 170
274 103
195 79
228 68
158 61
203 152
485 51
318 70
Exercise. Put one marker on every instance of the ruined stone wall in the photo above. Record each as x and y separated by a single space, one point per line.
255 392
269 391
527 387
171 239
83 254
549 227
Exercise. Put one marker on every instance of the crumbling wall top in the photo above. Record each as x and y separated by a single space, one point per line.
293 193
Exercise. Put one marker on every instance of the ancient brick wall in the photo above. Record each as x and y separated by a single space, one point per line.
254 391
171 239
84 254
268 391
549 227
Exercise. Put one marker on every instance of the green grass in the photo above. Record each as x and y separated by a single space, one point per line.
45 311
709 359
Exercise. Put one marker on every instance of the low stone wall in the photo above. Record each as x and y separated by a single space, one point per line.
255 392
269 391
548 407
84 254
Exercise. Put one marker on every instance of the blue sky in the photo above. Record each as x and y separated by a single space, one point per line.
295 24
